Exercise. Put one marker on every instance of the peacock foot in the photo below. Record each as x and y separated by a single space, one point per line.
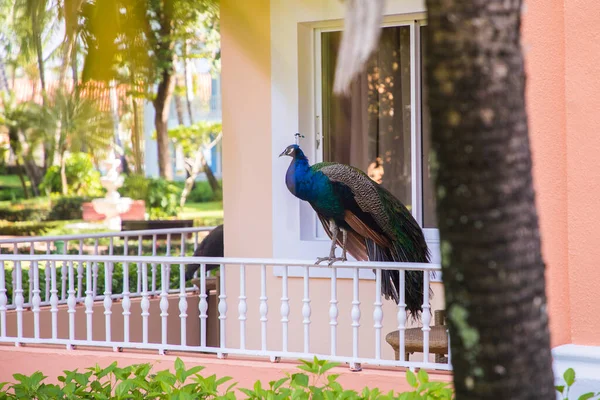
330 260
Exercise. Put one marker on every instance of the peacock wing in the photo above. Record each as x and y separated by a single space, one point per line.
355 244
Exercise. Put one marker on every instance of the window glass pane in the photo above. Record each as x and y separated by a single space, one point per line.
429 216
370 129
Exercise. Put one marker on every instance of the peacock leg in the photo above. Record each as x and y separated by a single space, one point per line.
344 241
335 231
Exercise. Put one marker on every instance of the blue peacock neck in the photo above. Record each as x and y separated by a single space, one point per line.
298 175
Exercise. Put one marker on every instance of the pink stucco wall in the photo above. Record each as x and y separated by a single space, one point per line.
51 362
562 44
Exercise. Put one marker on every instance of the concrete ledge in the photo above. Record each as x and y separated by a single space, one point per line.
52 361
585 360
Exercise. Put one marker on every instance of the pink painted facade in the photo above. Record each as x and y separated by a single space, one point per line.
562 46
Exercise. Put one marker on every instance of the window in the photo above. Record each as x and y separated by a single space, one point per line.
379 128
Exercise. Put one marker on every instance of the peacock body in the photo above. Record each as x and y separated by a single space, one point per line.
374 224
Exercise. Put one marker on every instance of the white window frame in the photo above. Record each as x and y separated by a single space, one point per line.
296 227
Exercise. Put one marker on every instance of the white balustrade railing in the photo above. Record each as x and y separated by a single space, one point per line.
111 243
84 297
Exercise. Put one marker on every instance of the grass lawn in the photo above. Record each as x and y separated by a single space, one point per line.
207 210
11 181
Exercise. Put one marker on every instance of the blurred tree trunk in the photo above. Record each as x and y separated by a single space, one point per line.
492 264
161 108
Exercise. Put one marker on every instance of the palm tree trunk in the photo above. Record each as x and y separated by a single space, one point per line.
493 269
63 174
21 177
136 138
161 109
186 72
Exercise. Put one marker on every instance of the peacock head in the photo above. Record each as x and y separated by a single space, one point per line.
293 150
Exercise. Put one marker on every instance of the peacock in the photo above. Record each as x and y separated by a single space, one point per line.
374 224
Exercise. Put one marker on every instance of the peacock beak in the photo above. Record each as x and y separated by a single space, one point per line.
282 153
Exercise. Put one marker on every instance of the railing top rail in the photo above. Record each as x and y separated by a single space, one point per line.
146 232
219 260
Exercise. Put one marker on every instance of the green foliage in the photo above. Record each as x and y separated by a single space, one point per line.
202 193
25 212
569 377
193 137
26 228
138 382
160 195
82 178
67 208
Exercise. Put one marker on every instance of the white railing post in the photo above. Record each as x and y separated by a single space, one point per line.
426 316
153 290
89 302
203 305
242 307
354 365
30 272
80 272
264 307
64 273
47 275
182 304
333 312
95 271
54 300
402 317
19 301
3 301
164 306
71 302
145 303
285 309
126 303
107 300
222 313
36 299
306 311
378 314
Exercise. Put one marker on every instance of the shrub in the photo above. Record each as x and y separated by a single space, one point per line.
67 208
26 228
160 195
23 212
202 192
137 382
82 178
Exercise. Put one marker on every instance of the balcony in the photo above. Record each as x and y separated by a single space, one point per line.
126 292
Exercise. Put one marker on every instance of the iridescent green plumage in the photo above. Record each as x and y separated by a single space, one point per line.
375 225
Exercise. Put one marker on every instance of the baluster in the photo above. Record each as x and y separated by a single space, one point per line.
19 300
285 309
89 301
71 305
449 349
354 365
126 303
47 275
107 299
333 311
153 265
64 273
426 316
182 304
203 305
242 307
139 271
125 245
54 300
36 299
222 312
264 307
195 241
30 272
182 249
14 272
402 317
95 270
378 314
164 305
80 272
168 266
145 303
306 312
111 245
3 301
